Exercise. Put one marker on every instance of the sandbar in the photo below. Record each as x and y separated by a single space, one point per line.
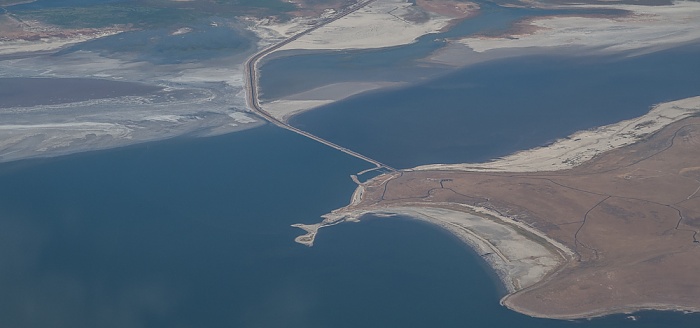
381 24
285 108
644 29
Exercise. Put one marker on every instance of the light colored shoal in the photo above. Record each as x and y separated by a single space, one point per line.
582 146
283 109
51 43
648 28
383 23
14 135
519 261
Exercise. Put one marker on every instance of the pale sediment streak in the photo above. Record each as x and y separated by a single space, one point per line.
645 29
582 146
378 25
518 260
521 255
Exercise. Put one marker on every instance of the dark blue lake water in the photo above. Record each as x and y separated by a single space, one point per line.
284 75
496 108
288 72
161 46
195 233
42 4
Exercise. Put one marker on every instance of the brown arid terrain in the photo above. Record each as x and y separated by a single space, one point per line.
625 224
12 28
450 8
50 29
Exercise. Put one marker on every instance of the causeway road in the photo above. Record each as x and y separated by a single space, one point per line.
251 71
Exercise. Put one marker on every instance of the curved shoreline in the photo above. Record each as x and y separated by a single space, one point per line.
587 145
582 146
513 250
598 314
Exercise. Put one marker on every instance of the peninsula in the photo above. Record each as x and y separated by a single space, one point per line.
603 221
615 232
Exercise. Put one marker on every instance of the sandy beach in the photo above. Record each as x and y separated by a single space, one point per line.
524 257
53 43
645 29
27 37
285 108
381 24
518 260
584 145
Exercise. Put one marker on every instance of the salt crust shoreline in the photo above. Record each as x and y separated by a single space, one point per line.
521 255
25 47
519 261
584 145
283 109
380 24
597 314
646 29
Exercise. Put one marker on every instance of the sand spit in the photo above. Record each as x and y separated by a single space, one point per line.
26 37
584 145
523 257
381 24
647 28
50 43
285 108
505 244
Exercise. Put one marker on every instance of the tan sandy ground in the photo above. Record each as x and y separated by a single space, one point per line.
383 23
584 145
629 217
24 37
283 109
646 28
520 261
387 23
